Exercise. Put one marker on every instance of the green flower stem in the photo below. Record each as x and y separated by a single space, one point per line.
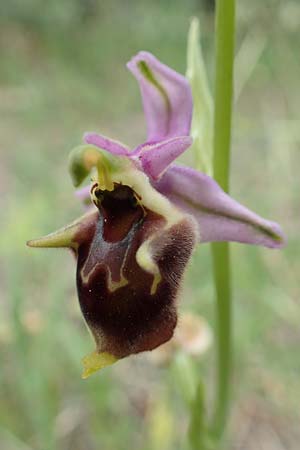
225 37
221 264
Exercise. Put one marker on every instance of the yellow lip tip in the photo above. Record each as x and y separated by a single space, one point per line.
96 361
85 374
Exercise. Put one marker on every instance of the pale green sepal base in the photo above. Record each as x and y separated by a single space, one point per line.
96 361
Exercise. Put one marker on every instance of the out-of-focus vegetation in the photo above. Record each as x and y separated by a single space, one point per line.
62 72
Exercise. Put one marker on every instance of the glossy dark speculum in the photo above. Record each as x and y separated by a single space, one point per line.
116 294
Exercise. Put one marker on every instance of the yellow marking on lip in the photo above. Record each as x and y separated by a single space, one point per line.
146 262
115 285
112 285
155 283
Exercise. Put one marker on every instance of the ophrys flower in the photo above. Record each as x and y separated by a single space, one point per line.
133 245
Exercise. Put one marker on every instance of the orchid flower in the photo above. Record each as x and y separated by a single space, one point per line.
132 248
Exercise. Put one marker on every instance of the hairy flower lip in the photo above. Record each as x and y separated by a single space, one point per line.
125 314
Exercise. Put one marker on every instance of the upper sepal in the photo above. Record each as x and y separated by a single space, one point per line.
166 97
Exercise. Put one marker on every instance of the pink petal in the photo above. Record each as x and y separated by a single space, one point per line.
166 96
220 218
105 143
156 158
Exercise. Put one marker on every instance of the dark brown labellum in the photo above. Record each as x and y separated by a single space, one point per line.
116 294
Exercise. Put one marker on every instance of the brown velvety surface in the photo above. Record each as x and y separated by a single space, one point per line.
128 319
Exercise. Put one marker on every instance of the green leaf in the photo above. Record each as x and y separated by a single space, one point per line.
202 122
199 434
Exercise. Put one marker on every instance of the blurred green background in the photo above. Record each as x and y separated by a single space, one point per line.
62 72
